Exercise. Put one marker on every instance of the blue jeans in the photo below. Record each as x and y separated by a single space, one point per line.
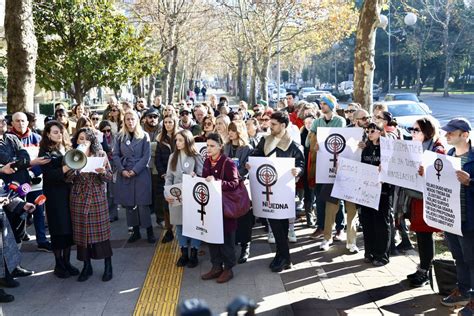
38 217
462 249
184 241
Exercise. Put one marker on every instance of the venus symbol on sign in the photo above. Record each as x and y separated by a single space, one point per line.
438 166
176 192
201 195
335 144
267 176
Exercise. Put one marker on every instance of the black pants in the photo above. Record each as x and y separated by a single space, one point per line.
224 254
426 249
280 231
18 226
245 223
376 228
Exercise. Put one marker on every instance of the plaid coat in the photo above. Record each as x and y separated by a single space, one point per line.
89 208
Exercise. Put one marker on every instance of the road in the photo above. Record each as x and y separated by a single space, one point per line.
445 109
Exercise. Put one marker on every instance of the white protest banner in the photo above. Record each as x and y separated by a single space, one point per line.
442 196
273 187
174 191
202 210
357 182
400 161
335 142
202 149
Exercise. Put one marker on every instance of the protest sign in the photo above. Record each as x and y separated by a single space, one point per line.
273 187
174 191
202 149
335 142
357 182
400 161
202 210
442 196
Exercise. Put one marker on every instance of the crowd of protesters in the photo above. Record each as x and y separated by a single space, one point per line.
146 147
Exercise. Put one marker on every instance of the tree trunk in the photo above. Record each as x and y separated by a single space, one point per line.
169 59
447 55
263 76
253 82
151 90
364 52
418 73
245 75
240 65
172 79
21 55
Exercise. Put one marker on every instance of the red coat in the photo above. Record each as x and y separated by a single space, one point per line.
229 182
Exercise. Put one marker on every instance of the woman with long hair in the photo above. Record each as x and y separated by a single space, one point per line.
62 117
78 111
116 116
85 121
54 143
238 149
132 189
106 129
253 131
185 159
89 208
264 120
425 131
222 123
164 147
219 167
207 126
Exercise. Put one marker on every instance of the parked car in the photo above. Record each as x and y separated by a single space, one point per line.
274 96
407 97
316 95
292 87
406 113
304 92
376 90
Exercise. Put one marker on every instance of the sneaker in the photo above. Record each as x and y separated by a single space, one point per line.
468 310
292 236
325 245
414 275
456 298
46 247
317 233
338 235
421 279
271 238
352 248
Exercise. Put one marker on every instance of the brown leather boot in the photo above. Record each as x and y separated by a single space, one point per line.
212 274
225 276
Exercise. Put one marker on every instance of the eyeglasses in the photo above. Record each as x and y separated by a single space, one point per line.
364 118
373 131
153 116
414 130
106 130
95 119
349 111
208 124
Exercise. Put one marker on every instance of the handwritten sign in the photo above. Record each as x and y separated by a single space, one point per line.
442 196
335 143
358 183
400 161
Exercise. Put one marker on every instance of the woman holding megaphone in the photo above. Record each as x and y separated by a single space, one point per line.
54 144
89 208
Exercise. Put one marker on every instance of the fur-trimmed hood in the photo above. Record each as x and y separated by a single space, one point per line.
283 144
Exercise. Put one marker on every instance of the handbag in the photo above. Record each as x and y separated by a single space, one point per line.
445 273
235 203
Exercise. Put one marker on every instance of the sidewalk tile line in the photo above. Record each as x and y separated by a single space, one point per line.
161 288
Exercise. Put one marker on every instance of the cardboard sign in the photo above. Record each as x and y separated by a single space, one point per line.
442 195
202 210
357 182
272 186
335 143
175 192
202 150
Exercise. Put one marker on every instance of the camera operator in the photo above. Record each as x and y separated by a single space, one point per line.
14 161
9 253
30 141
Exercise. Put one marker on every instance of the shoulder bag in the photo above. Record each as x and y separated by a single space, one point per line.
235 203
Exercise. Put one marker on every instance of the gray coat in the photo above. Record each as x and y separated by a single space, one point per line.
132 154
9 253
242 154
188 165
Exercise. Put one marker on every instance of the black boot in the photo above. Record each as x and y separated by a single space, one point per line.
193 260
183 260
168 236
60 268
67 262
86 271
5 298
107 269
150 235
135 235
8 280
244 253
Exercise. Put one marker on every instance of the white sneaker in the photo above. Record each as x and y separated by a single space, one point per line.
292 236
352 248
325 245
271 238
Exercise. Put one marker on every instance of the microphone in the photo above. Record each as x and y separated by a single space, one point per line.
12 188
40 200
22 191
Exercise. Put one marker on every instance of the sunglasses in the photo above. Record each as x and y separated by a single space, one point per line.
208 124
140 102
153 116
365 118
349 111
264 120
184 113
373 131
414 130
114 110
107 130
95 118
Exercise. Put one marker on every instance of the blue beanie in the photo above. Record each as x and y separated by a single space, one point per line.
329 100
